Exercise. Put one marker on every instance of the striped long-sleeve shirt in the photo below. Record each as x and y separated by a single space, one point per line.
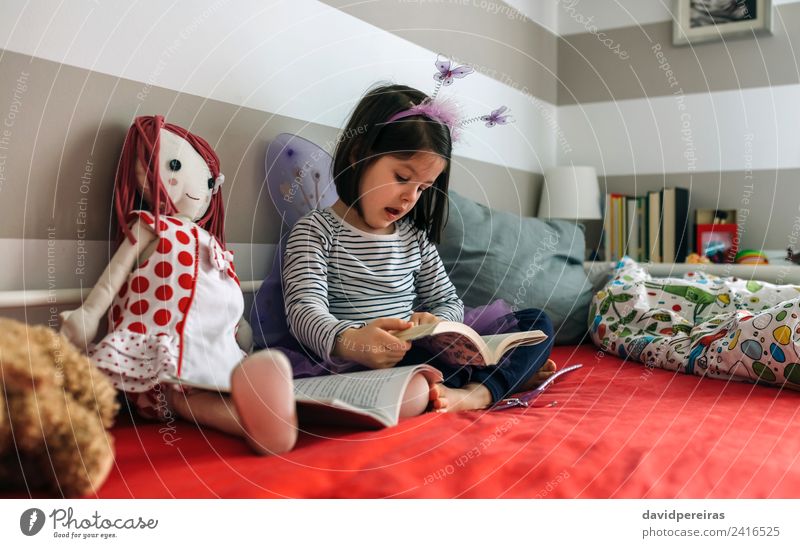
336 277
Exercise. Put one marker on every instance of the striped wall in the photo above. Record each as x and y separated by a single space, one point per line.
73 75
238 72
720 118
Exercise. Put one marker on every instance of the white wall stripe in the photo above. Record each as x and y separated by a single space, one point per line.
302 59
735 130
60 264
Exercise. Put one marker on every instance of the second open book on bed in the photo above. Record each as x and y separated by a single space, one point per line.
457 343
373 398
369 399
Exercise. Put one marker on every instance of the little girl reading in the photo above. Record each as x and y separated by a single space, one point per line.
361 270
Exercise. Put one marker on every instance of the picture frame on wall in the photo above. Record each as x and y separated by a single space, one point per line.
697 21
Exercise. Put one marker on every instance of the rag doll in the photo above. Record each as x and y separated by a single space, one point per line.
173 300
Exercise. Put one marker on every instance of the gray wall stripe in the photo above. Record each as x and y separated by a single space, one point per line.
589 71
493 37
59 154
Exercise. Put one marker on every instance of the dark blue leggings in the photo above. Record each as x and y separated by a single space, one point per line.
510 374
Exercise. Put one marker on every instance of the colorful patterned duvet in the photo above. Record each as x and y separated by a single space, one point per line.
725 328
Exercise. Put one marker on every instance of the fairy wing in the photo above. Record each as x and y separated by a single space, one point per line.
298 177
298 180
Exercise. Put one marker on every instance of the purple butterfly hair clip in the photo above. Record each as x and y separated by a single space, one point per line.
492 119
446 111
497 117
446 72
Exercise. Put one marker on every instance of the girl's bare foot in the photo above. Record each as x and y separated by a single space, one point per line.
472 396
540 376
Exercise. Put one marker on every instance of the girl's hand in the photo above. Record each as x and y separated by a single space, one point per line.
79 327
419 318
373 345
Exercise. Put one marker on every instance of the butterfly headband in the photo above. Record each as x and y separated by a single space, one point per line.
445 110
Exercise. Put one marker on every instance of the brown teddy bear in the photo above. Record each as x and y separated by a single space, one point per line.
55 407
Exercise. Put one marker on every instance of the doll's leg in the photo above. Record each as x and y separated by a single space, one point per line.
207 408
262 390
261 408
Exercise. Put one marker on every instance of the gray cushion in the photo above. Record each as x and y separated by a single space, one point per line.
528 262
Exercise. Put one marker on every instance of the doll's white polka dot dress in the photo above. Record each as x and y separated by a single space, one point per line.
176 315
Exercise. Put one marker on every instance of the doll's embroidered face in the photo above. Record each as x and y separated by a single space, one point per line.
184 175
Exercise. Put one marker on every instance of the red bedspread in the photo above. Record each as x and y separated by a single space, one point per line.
617 430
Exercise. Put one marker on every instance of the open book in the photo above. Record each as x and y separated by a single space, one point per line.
459 344
369 399
364 398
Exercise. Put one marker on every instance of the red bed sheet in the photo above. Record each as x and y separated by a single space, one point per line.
611 429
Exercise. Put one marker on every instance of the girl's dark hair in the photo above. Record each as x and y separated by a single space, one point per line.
367 137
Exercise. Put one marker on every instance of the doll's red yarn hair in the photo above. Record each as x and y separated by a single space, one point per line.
142 144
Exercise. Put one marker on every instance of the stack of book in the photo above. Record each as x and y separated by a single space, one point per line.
651 228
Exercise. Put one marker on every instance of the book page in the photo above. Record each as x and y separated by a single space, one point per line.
428 329
453 342
379 391
500 344
455 349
